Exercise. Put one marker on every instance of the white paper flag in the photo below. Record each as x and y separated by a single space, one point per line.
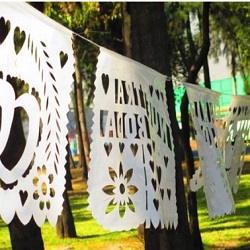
235 131
132 169
35 51
220 133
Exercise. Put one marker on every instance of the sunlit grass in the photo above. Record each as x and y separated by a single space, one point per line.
229 232
90 235
4 236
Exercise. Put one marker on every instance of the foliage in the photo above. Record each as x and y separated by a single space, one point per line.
93 20
230 25
101 22
94 23
184 44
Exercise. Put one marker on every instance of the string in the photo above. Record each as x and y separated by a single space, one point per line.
86 39
177 83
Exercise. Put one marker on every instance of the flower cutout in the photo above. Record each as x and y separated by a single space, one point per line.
44 191
120 191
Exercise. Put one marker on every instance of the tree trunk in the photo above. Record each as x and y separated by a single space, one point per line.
206 74
68 176
65 226
126 29
25 237
81 157
82 131
233 71
242 70
71 160
150 47
245 80
193 72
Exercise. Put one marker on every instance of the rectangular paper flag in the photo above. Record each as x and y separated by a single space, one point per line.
132 168
37 57
221 133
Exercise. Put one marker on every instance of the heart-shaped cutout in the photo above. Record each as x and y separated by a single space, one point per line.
108 148
169 193
151 88
8 104
134 148
152 166
166 161
105 82
149 149
153 181
162 193
63 58
19 39
23 196
4 29
156 203
121 146
158 174
157 93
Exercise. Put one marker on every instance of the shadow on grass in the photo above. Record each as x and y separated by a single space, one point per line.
218 247
92 236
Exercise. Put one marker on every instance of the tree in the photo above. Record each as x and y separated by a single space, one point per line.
189 48
65 226
230 38
80 116
184 43
193 72
150 47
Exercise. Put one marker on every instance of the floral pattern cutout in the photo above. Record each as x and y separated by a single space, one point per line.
121 191
132 174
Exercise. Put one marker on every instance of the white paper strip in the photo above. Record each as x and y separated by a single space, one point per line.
235 131
132 169
221 133
38 52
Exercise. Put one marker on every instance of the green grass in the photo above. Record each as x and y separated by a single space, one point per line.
90 234
4 236
229 232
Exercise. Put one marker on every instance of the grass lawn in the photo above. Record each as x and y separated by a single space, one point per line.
229 232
